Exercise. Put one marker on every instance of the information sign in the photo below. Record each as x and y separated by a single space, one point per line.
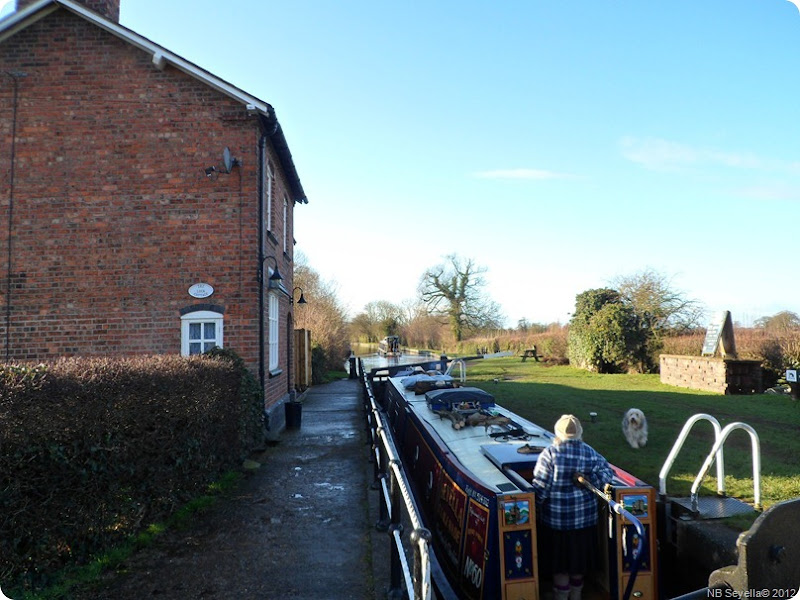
714 333
719 336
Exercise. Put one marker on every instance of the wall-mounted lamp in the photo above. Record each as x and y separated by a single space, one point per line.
302 299
210 171
276 274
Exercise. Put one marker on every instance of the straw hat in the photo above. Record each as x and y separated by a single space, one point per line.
568 427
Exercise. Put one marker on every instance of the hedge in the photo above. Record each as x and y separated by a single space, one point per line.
93 450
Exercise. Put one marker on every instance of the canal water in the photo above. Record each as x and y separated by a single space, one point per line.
375 361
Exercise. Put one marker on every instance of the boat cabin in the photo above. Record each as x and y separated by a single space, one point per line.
389 346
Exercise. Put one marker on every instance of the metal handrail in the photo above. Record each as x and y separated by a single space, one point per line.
396 496
462 369
617 508
676 448
756 447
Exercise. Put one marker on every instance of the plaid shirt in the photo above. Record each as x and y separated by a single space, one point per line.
562 504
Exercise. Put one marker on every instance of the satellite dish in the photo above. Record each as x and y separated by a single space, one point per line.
227 160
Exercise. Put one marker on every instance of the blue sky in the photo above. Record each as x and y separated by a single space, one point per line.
558 144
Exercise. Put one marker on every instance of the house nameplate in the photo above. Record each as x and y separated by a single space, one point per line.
201 290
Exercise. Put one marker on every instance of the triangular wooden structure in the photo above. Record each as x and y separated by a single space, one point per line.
719 336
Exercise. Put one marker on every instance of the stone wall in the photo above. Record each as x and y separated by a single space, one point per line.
721 375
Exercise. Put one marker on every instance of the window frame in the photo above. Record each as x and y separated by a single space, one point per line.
201 317
285 224
273 334
270 185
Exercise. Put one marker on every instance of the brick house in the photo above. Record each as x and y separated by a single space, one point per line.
145 203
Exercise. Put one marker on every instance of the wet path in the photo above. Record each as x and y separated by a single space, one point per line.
298 528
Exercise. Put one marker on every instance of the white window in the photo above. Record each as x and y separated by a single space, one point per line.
285 223
273 332
270 186
200 332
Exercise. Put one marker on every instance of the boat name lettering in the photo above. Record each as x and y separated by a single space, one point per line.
447 544
476 495
451 497
450 517
475 550
478 516
450 526
473 572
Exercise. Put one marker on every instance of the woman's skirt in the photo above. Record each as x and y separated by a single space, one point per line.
571 551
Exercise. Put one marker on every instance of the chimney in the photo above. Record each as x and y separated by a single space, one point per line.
107 8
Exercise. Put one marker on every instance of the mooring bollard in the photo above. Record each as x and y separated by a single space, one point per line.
353 373
294 414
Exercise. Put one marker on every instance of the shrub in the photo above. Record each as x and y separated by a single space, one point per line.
598 339
684 345
552 345
318 365
92 449
251 397
607 335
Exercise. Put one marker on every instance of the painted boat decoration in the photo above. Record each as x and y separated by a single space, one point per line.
469 462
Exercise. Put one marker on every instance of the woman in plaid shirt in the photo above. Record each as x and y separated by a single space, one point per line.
568 512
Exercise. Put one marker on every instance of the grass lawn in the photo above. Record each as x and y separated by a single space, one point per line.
542 393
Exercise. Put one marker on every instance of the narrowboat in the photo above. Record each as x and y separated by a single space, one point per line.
469 462
389 346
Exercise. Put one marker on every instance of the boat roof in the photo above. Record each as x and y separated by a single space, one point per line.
485 455
474 447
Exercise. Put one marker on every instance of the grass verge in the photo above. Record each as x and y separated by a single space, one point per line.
84 576
330 376
542 393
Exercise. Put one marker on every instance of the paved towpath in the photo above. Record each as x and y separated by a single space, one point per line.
300 527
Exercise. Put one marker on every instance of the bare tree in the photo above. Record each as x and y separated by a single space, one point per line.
654 299
387 317
782 322
377 320
421 329
455 289
362 328
322 314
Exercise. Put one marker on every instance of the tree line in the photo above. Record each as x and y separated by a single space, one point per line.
614 329
619 328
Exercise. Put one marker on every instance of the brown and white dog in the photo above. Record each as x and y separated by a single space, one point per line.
634 428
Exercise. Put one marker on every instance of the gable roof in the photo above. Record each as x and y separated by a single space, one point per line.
162 57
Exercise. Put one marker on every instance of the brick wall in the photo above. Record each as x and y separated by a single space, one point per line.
107 8
721 375
113 216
